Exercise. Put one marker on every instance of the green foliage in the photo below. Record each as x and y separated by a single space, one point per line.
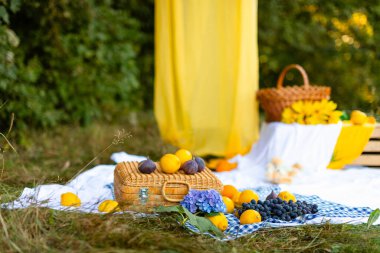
374 216
334 40
77 60
203 224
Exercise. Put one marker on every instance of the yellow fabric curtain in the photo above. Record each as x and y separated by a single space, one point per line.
206 74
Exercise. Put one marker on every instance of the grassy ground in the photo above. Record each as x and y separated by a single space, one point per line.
55 156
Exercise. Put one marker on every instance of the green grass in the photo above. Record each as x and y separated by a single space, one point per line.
55 156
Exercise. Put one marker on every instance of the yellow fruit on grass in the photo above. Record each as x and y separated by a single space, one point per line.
285 195
358 117
235 197
246 196
184 155
170 163
108 206
70 199
220 221
230 206
229 191
249 217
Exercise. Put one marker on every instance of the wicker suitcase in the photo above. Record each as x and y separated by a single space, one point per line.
135 190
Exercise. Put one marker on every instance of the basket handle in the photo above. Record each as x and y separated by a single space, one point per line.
289 67
173 182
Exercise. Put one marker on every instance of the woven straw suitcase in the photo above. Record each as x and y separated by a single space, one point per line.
162 189
275 100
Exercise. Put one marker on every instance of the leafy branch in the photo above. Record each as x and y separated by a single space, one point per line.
202 223
373 217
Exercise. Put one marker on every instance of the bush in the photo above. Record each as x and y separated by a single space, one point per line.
75 61
334 40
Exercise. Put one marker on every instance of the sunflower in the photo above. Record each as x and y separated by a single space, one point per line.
288 116
335 117
312 113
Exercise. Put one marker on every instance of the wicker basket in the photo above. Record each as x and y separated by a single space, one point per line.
162 189
275 100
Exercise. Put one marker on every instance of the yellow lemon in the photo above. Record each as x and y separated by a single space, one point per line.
247 195
220 221
170 163
249 217
108 206
184 155
229 204
70 199
358 117
229 191
371 120
235 197
285 195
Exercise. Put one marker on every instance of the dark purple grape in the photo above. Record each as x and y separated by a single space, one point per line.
190 167
147 166
201 164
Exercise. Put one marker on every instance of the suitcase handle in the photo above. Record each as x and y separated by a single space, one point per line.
173 182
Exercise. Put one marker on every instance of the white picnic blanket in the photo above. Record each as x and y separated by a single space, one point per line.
351 187
355 187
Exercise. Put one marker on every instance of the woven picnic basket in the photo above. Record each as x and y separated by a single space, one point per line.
275 100
162 189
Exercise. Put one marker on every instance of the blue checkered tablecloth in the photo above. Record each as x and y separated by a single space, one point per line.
328 212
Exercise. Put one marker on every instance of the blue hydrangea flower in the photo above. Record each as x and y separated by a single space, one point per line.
203 201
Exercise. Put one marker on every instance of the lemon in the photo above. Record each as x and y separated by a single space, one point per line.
235 197
184 155
371 120
108 206
358 117
230 206
170 163
247 195
285 195
220 221
249 217
70 199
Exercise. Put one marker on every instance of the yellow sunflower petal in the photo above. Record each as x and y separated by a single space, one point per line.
298 106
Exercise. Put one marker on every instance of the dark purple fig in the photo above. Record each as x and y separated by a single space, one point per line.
147 166
201 163
272 195
190 167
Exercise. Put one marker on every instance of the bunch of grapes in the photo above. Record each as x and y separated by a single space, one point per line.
280 209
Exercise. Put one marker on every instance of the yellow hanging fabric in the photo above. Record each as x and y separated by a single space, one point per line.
206 74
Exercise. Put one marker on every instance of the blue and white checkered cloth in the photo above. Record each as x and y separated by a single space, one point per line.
328 212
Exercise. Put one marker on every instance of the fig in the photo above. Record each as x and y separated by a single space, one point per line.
200 163
147 166
272 195
190 167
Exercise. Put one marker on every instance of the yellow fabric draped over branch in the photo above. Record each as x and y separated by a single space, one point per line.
206 74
